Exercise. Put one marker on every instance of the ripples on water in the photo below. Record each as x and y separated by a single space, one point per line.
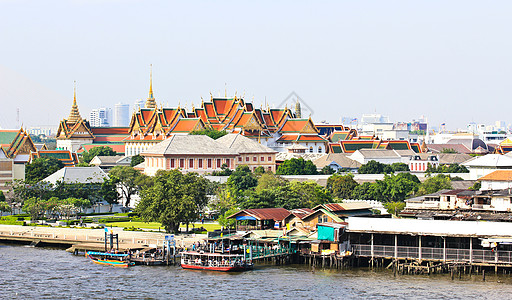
43 273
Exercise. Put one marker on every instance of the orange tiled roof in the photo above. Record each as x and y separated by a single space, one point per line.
499 175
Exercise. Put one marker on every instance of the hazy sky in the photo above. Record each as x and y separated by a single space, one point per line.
447 60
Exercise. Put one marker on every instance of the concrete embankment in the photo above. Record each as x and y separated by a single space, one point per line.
88 239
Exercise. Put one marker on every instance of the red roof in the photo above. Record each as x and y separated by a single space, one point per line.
276 214
186 125
311 138
110 130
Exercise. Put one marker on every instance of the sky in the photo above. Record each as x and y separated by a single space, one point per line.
447 60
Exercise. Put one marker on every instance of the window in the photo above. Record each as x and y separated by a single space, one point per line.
172 163
209 163
247 158
200 163
319 149
191 163
262 158
255 158
219 162
270 158
182 163
310 149
228 162
240 158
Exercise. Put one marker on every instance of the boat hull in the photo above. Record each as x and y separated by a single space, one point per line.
109 262
218 268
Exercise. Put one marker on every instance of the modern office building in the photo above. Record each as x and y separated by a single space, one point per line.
101 117
121 115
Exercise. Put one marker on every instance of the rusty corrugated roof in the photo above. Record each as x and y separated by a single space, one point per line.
276 214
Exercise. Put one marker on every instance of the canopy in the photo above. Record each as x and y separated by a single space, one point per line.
239 218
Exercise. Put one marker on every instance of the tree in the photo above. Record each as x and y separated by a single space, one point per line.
434 184
375 167
310 194
128 180
394 207
259 171
40 168
213 133
224 171
4 207
398 187
242 179
2 196
476 186
34 207
87 156
108 192
327 170
174 198
224 221
136 159
270 181
400 167
297 166
341 186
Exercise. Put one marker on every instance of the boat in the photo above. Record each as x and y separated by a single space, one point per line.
110 259
214 261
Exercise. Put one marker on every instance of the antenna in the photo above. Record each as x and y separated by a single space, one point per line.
18 117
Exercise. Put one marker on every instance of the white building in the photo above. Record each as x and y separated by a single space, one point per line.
497 180
121 115
101 117
483 165
363 156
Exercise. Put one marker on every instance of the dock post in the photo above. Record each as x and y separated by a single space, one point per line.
419 248
470 250
372 248
396 247
444 249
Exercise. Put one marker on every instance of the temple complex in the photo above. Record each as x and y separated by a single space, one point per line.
73 131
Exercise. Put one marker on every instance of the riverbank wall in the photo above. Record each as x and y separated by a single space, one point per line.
82 240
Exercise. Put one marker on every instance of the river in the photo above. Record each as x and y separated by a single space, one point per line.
45 273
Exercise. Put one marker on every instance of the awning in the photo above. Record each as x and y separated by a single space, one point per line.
239 218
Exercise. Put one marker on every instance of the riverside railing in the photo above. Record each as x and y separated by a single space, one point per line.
441 254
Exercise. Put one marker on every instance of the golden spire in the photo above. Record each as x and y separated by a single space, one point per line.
74 115
150 102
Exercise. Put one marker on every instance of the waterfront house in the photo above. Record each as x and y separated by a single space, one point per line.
348 209
259 218
497 180
320 215
329 236
296 218
431 240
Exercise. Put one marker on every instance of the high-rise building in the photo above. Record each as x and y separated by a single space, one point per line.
100 117
139 103
121 115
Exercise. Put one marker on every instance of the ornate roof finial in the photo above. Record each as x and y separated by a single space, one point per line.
150 102
74 115
211 96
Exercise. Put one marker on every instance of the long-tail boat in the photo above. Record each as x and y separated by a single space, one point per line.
110 259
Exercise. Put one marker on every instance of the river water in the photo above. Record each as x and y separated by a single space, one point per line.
45 273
